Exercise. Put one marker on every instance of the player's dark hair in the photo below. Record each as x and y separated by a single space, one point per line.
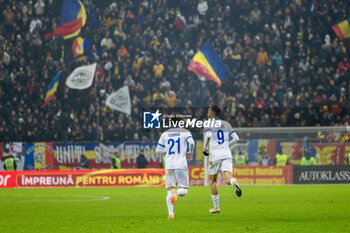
216 110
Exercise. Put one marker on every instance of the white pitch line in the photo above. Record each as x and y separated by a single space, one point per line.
36 200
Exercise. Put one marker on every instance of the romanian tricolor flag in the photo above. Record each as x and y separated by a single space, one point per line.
207 63
342 29
73 18
80 45
39 156
52 90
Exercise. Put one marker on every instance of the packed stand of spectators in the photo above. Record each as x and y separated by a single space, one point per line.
288 67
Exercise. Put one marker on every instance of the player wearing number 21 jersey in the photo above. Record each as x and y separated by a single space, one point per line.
176 144
217 141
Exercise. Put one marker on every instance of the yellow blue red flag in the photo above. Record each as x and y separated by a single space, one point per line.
39 156
342 29
52 90
80 45
73 18
207 63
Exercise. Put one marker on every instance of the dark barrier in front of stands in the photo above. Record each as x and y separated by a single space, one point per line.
323 174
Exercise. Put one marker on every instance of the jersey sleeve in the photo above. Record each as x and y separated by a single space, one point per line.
188 137
232 134
161 144
208 132
207 137
229 129
190 142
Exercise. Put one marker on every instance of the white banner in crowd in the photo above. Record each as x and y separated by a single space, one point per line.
120 100
82 77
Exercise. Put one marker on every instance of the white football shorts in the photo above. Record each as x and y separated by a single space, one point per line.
179 176
221 165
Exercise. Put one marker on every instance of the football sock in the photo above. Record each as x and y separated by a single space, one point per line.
168 202
182 192
215 200
232 181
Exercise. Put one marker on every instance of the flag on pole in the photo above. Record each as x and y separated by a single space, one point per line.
80 45
207 63
52 90
73 18
342 29
120 100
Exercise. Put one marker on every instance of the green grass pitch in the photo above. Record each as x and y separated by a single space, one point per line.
140 209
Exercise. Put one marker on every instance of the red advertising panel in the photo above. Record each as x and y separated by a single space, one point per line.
196 175
83 178
263 174
248 175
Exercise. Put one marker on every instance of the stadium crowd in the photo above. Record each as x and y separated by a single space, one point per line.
288 67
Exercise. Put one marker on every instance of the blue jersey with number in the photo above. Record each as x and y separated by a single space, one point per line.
219 147
174 142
